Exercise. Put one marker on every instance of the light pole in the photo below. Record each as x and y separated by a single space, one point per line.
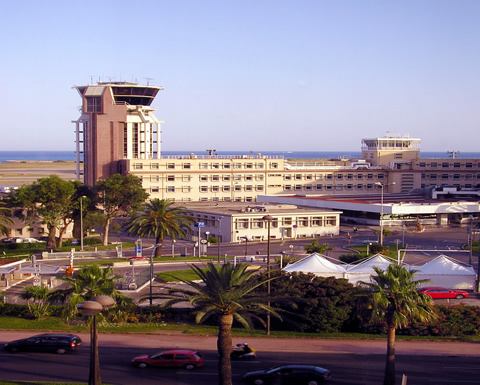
151 271
92 308
246 244
173 247
470 240
381 208
219 236
268 218
81 222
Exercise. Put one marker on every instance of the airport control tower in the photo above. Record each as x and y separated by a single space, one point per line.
116 123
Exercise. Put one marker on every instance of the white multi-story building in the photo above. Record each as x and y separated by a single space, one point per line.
118 132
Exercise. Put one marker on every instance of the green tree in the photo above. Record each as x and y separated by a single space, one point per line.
396 301
85 284
5 221
324 304
314 247
119 195
161 219
226 292
37 298
49 201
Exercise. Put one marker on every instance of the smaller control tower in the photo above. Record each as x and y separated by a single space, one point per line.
390 148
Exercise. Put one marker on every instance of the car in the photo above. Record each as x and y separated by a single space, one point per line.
180 358
441 292
289 374
53 343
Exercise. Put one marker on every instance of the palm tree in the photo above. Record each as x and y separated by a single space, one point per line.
227 293
85 284
397 302
159 218
5 220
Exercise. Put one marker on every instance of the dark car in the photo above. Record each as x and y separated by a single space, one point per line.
289 374
188 359
55 343
441 292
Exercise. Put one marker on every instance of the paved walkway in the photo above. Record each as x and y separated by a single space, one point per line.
295 345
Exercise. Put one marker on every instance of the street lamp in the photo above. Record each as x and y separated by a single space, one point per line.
269 219
381 208
246 244
92 308
173 247
219 239
81 222
151 271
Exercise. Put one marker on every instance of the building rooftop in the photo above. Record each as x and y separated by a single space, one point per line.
235 208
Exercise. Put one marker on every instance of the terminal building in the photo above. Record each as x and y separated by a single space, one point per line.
118 132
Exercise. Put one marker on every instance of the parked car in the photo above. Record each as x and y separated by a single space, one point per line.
188 359
441 292
289 374
53 343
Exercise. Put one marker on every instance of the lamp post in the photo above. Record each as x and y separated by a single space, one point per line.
219 236
173 247
246 244
470 239
151 271
81 222
268 218
381 208
92 308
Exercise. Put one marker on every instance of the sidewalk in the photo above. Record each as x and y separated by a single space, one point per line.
294 345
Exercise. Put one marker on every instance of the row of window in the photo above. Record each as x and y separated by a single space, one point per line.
340 186
332 176
226 178
466 185
303 221
448 164
287 187
450 176
207 166
261 177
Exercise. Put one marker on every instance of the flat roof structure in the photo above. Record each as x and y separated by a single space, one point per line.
395 206
237 221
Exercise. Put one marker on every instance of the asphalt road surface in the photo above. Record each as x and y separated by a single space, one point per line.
351 362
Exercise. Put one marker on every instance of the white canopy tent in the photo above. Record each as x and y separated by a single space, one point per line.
318 265
364 270
441 271
446 272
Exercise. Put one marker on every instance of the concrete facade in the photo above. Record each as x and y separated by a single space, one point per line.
239 222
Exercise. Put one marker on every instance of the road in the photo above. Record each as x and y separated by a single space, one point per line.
351 361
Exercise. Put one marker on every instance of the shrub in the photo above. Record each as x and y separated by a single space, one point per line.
92 241
351 258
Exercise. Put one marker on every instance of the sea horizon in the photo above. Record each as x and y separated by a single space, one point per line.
70 155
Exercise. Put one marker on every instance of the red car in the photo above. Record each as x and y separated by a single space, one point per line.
188 359
441 292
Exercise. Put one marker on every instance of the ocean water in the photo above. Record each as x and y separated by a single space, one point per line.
70 155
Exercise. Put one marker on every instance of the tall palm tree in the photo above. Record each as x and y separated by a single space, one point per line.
85 284
397 302
5 221
161 219
226 292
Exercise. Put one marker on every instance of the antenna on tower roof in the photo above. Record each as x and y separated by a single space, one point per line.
453 154
148 80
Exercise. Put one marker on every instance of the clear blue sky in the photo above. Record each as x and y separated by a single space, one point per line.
249 74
